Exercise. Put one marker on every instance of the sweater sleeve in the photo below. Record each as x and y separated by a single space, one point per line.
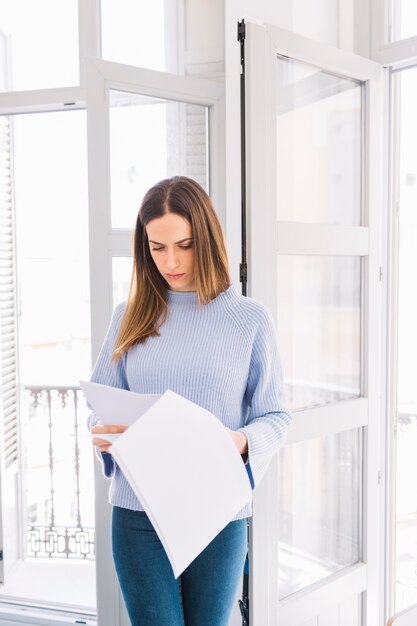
269 419
108 372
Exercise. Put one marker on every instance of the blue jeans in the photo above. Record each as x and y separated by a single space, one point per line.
204 593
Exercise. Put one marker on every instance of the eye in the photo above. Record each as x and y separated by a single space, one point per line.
156 249
188 245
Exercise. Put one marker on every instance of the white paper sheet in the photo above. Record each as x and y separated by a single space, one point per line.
110 437
184 468
187 473
116 406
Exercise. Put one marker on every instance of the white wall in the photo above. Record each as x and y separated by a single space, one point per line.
203 37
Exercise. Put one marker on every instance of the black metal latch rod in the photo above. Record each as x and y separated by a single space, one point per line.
243 268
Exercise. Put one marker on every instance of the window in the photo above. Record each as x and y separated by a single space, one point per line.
121 273
139 34
403 19
319 509
74 261
319 119
152 139
314 218
319 328
32 54
48 156
405 435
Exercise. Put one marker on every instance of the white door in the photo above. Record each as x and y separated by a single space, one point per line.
142 127
313 132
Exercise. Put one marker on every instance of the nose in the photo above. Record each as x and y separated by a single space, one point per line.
172 260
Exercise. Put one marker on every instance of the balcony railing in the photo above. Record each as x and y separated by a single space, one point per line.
59 474
406 418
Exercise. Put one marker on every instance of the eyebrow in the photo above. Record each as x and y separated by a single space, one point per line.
161 244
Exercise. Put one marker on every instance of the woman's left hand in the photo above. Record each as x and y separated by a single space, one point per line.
239 439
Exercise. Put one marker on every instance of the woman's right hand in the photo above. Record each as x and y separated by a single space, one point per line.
100 428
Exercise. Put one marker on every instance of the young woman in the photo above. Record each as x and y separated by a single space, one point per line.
184 327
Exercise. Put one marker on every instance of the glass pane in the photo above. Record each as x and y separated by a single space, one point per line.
404 19
152 139
406 440
319 508
38 44
122 272
49 164
319 328
318 145
134 33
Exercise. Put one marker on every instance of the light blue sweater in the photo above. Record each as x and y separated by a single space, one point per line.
222 356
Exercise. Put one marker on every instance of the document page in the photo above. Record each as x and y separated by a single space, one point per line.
185 470
116 406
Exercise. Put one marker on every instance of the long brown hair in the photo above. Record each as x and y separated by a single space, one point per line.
147 303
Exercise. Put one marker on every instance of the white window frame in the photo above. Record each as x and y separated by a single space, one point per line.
263 44
18 584
383 50
391 370
395 55
107 242
97 77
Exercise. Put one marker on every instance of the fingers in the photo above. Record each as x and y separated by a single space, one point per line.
101 444
99 428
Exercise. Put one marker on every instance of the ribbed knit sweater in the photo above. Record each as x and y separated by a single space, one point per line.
222 356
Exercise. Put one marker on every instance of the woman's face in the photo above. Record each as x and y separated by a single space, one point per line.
172 248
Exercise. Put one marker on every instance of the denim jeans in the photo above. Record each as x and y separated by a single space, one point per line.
204 593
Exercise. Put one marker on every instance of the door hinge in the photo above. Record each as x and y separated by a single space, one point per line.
1 555
380 273
241 31
241 34
243 272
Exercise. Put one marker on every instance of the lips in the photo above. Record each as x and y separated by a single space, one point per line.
174 276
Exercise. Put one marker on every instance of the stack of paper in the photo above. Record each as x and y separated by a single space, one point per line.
181 463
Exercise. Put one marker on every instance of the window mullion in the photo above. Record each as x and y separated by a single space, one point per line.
42 100
89 33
